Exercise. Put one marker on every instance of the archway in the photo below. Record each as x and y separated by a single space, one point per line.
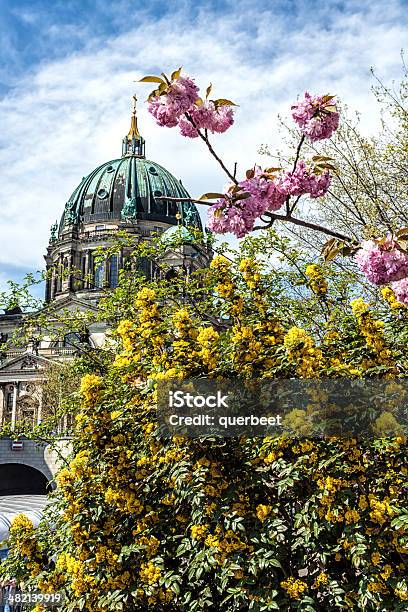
21 479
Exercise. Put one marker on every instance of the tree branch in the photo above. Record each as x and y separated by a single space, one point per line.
289 219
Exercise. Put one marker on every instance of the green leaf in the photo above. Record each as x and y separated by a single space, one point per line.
208 90
331 248
224 102
175 75
242 196
211 196
318 158
151 79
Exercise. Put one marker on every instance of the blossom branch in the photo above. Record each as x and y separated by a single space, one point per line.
204 138
314 226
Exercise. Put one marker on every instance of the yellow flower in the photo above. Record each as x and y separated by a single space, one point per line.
317 282
321 579
220 263
375 558
294 587
149 573
351 516
387 571
262 512
199 532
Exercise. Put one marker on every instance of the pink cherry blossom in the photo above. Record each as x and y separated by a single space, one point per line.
382 263
264 194
313 118
206 116
400 289
237 219
179 97
222 119
187 129
302 181
296 182
319 185
162 112
239 216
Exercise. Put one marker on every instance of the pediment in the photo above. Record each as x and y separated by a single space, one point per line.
71 304
27 363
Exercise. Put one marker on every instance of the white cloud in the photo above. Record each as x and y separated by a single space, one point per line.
68 116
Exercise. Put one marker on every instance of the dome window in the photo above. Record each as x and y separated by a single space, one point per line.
110 169
102 194
157 193
152 170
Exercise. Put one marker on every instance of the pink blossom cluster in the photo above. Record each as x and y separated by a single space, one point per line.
265 195
206 116
313 117
400 289
179 97
382 263
170 108
302 181
239 217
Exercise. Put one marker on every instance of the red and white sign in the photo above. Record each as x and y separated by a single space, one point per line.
17 445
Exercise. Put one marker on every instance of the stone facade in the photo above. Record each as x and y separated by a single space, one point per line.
130 194
41 457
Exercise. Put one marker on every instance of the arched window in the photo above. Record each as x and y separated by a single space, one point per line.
144 265
113 271
99 274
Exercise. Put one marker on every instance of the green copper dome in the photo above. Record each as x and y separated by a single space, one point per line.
129 188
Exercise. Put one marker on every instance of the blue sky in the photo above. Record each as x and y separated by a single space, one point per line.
67 73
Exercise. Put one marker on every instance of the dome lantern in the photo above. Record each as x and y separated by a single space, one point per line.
133 143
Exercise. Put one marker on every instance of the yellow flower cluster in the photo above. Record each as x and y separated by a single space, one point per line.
262 512
381 511
351 516
23 538
150 544
225 543
124 500
250 273
225 287
389 295
302 351
320 580
207 339
245 346
90 389
317 282
81 579
294 587
373 332
149 573
199 532
402 594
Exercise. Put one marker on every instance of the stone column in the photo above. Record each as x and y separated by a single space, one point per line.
89 270
14 409
2 407
40 405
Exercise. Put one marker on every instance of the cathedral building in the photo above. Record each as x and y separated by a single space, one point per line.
131 194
